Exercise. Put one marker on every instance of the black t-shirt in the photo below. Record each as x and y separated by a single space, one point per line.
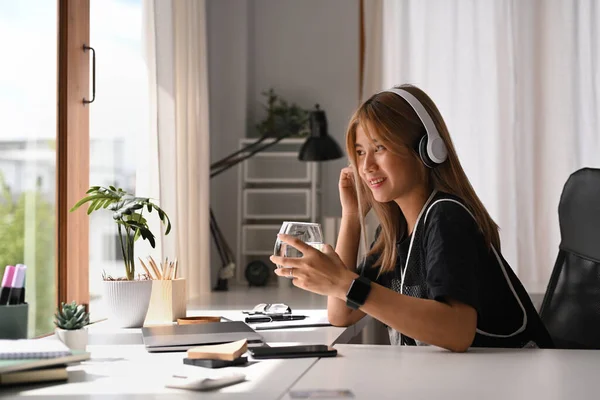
449 259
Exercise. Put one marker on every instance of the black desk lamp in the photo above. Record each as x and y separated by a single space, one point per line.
318 147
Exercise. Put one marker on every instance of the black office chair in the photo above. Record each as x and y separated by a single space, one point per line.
571 306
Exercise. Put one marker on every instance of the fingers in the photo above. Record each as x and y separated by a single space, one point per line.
346 175
285 272
327 249
286 261
296 243
346 171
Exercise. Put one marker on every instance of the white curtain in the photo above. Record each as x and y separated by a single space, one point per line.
518 83
175 166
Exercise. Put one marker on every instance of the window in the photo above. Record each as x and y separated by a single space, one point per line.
28 81
118 118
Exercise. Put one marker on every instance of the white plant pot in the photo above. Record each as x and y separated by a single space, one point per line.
75 339
127 302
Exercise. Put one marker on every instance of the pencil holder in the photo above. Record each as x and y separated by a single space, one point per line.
167 302
14 321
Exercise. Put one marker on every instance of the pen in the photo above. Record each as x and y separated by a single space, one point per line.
9 272
269 318
17 285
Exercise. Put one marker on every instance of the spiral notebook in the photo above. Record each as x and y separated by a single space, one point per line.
32 348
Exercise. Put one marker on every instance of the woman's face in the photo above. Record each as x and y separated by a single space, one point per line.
389 176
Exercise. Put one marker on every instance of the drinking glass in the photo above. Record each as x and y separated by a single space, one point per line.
309 232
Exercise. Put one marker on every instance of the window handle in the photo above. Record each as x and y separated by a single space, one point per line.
85 48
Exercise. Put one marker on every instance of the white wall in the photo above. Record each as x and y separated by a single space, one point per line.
307 50
227 31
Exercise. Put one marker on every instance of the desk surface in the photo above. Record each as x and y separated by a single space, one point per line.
121 367
129 371
392 372
105 334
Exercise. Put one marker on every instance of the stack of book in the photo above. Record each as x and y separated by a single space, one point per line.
218 355
35 360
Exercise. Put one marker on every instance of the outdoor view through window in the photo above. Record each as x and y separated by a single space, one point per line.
28 29
28 98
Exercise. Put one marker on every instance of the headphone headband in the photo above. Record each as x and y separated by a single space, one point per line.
436 149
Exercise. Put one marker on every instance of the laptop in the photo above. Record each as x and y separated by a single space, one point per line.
184 337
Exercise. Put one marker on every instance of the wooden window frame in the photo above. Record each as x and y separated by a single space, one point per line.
72 151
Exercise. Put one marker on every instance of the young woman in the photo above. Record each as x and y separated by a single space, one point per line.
434 274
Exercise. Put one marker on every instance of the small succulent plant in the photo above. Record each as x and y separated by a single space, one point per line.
71 316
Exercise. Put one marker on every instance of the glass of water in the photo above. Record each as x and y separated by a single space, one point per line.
309 232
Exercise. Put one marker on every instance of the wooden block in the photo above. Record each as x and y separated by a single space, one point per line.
197 320
225 351
167 302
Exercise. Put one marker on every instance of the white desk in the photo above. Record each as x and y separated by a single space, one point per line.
122 368
390 372
129 371
104 334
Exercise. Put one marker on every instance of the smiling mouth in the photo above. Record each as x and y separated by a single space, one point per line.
374 183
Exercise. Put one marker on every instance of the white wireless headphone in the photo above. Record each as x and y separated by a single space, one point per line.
432 148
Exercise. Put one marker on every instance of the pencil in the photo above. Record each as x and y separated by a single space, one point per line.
146 269
154 267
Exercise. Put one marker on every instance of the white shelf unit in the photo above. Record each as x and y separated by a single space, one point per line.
274 186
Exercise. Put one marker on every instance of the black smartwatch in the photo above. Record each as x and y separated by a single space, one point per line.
358 292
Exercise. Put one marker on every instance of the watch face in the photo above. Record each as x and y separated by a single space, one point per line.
359 290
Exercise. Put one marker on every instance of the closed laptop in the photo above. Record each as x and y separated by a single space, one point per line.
184 337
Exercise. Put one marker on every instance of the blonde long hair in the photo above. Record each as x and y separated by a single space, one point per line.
396 125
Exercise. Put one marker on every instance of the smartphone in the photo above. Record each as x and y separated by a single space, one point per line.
317 350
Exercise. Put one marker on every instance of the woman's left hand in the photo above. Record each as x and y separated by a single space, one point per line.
321 272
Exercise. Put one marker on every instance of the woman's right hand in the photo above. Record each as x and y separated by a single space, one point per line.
348 196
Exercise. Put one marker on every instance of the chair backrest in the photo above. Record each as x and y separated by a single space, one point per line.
571 306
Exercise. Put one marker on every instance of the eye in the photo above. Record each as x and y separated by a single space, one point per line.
360 152
380 148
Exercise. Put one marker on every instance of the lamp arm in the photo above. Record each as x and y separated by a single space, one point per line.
225 160
248 155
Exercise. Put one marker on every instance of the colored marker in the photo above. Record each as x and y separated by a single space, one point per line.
7 279
22 297
17 285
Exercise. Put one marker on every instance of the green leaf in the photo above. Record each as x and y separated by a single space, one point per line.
92 206
82 201
150 238
99 204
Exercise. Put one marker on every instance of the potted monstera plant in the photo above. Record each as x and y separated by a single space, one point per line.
127 298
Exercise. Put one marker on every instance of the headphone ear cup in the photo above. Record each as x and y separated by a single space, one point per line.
423 153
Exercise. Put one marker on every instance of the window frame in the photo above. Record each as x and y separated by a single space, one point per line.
72 151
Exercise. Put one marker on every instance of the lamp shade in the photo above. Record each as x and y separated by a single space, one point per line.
319 146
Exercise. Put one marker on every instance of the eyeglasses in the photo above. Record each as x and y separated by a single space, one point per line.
270 309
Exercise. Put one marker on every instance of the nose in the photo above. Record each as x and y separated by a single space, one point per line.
369 164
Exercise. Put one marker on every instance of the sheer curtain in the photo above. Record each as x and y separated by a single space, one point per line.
518 84
175 168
